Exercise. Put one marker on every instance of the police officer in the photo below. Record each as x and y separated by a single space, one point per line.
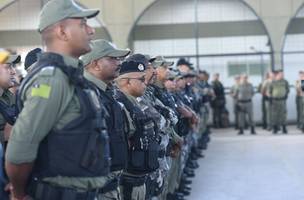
184 66
186 128
278 92
101 68
7 98
262 91
157 111
299 100
160 92
142 135
219 102
59 145
266 96
232 92
301 125
243 94
207 93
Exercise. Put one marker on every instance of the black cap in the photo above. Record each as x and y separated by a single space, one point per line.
32 57
183 61
189 74
139 58
131 66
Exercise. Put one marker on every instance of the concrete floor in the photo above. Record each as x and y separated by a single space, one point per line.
261 167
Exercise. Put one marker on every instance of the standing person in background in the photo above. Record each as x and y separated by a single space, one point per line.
263 105
266 95
243 94
218 103
232 92
278 92
299 99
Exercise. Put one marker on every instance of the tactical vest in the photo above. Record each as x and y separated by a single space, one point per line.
118 139
183 126
8 112
143 146
279 89
80 148
165 98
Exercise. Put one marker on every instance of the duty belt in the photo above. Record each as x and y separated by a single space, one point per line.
132 180
44 191
278 98
244 101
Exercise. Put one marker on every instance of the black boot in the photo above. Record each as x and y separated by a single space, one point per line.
241 131
275 130
253 130
284 129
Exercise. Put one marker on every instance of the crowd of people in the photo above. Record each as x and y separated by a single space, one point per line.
274 91
91 121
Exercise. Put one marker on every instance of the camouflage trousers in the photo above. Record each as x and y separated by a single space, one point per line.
136 193
279 110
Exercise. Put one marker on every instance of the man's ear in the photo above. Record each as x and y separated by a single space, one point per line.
95 63
61 31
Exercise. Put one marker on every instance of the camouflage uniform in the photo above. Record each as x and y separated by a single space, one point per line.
278 91
266 96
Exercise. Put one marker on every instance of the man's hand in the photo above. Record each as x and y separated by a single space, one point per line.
7 131
18 175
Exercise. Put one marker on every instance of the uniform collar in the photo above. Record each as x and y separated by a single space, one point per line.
99 83
131 98
73 62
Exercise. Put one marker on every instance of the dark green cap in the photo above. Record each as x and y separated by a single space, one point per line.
57 10
103 48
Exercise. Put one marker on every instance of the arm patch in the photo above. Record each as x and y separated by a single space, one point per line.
42 90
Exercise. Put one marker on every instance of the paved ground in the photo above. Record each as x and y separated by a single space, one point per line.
261 167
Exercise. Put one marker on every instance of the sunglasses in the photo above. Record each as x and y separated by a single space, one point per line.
141 79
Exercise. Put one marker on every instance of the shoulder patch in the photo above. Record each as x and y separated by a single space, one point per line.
47 71
42 90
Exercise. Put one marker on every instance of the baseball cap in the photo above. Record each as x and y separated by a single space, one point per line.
31 57
131 66
161 61
102 48
57 10
13 59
